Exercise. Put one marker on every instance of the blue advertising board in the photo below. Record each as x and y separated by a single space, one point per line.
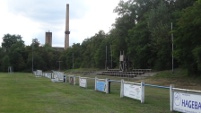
101 86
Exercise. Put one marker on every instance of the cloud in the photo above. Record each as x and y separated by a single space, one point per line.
12 23
46 10
32 18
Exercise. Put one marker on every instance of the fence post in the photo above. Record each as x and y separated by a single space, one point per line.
95 83
79 80
109 84
122 88
142 95
106 83
74 82
86 82
171 97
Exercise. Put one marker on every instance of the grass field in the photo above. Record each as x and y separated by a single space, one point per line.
24 93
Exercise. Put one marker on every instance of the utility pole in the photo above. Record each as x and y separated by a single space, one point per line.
106 59
111 55
73 60
172 38
32 55
59 64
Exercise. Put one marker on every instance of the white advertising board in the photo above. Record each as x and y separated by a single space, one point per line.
186 102
132 91
83 82
39 73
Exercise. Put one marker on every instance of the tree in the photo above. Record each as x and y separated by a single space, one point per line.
132 31
1 57
159 27
16 56
9 40
188 39
13 47
76 55
5 62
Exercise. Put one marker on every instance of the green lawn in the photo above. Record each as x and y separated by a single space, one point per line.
24 93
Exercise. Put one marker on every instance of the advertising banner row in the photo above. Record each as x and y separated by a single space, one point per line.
128 89
181 100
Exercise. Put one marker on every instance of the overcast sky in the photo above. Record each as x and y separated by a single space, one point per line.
32 18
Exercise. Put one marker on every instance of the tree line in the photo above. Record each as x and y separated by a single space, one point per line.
144 30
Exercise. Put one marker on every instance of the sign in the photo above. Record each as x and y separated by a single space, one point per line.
132 91
186 102
101 86
72 80
83 82
39 72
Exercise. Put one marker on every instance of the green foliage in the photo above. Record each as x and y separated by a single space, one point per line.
197 56
188 38
12 54
142 31
139 46
5 62
10 40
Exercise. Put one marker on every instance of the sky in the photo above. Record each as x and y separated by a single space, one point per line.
32 18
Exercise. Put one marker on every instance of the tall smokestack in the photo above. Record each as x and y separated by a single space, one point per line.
48 38
67 32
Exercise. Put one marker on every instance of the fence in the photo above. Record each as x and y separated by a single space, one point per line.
181 100
48 75
57 76
83 81
38 73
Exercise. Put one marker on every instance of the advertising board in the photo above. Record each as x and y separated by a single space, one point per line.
39 72
83 82
133 91
72 80
101 86
186 102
